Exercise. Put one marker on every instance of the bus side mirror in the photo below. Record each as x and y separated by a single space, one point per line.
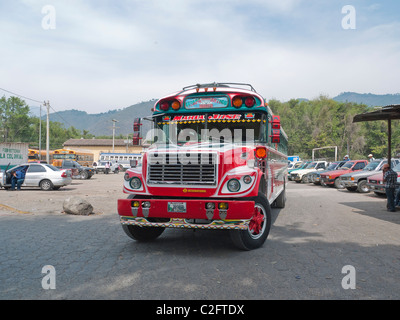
136 138
276 122
136 125
133 163
276 129
276 136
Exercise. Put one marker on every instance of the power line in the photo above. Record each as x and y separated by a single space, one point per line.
41 102
22 96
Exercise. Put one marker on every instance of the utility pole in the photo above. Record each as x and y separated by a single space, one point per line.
47 104
114 121
40 133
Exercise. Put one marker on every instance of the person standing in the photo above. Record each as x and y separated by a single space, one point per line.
107 167
371 157
390 179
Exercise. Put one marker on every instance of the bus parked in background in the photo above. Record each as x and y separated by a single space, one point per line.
123 159
34 155
82 157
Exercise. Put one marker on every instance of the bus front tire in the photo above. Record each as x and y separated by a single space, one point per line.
143 233
259 227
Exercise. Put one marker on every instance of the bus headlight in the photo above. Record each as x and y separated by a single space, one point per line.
135 183
233 185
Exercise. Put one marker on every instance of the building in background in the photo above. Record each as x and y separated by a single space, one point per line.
98 146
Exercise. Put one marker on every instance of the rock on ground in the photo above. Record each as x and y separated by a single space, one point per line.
77 206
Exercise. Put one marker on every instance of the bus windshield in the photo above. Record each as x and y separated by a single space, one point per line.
227 128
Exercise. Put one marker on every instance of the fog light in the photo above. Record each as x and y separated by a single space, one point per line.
210 205
135 204
233 185
145 204
222 206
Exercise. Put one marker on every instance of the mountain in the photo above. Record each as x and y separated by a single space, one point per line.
369 99
101 123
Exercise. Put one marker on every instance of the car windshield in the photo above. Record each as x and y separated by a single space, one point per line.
77 164
397 168
371 166
311 165
51 167
348 165
332 166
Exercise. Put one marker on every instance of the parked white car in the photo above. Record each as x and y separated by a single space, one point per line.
300 175
44 176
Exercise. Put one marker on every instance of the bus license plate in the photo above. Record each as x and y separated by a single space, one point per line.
177 207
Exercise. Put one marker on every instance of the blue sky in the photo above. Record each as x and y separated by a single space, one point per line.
106 55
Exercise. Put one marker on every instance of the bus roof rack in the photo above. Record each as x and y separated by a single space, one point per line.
218 84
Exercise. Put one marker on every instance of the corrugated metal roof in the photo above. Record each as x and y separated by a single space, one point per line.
95 142
385 113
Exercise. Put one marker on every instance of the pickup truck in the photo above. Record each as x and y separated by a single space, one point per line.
78 171
301 174
315 177
357 181
114 167
375 182
331 178
298 166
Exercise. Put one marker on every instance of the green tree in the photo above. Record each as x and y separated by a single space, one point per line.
14 120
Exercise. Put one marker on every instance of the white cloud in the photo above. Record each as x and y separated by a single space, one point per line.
106 55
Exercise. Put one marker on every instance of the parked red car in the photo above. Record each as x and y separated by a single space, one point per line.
375 182
331 177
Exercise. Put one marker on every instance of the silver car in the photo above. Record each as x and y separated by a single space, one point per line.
44 176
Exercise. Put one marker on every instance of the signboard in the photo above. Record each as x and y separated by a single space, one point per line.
13 154
206 103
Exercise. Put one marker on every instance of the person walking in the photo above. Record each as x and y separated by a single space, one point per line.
107 167
390 179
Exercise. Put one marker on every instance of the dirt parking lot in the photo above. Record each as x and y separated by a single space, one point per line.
101 191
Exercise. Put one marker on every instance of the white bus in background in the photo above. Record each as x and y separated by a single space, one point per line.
123 159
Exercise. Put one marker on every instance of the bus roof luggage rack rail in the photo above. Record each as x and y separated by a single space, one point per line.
218 84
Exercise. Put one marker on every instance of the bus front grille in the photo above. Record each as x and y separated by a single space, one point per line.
182 168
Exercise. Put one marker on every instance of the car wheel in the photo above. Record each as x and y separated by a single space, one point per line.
259 226
363 187
338 184
46 185
84 175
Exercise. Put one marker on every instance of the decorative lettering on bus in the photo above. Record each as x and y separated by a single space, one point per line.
202 117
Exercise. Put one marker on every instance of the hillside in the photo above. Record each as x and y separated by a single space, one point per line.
101 123
369 99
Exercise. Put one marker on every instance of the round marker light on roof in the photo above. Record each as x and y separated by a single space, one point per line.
176 105
237 102
164 106
249 102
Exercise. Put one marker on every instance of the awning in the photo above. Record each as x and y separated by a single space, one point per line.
388 113
385 113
